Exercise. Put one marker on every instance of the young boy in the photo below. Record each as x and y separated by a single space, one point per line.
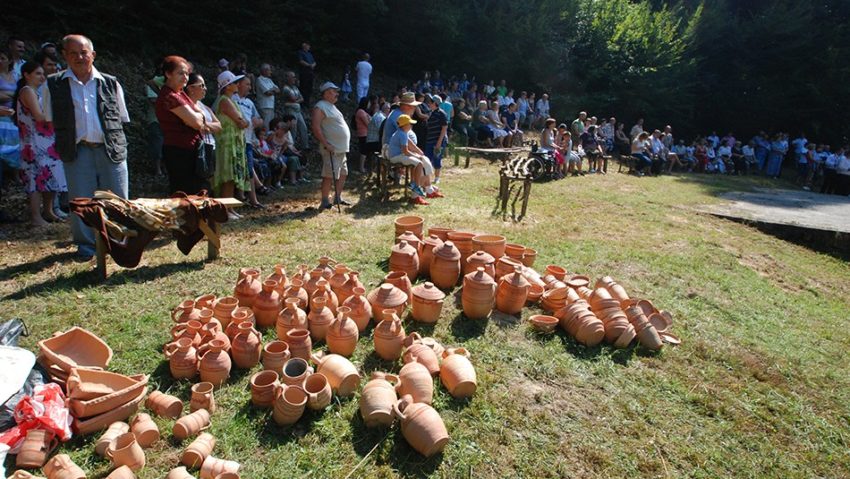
267 169
284 149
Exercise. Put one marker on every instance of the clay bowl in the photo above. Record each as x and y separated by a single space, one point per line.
543 323
535 292
442 233
492 244
410 223
626 338
76 347
577 281
558 272
670 338
515 251
662 323
648 308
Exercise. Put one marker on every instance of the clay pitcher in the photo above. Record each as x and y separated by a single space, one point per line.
247 346
457 373
326 264
164 405
113 431
126 451
182 358
212 330
267 305
387 296
191 424
341 373
61 466
400 280
312 283
275 354
389 336
480 259
36 447
215 363
323 289
295 371
512 293
179 473
478 295
426 254
318 391
223 309
424 355
416 380
296 290
202 397
342 334
427 301
240 315
291 317
338 279
289 404
213 466
346 290
145 429
360 311
193 456
204 301
299 343
319 318
421 426
184 312
445 265
190 330
248 286
405 258
279 276
263 385
377 400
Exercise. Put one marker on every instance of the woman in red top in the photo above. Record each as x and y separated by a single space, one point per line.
182 124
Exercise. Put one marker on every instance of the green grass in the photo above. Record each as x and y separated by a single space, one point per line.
757 389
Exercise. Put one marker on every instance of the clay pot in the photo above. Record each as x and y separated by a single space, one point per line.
426 254
579 321
145 429
558 272
598 295
514 251
494 245
296 290
512 293
204 301
440 232
387 296
478 295
113 431
346 290
421 426
299 343
543 323
196 452
326 264
480 259
182 358
463 242
662 321
318 391
223 309
291 317
263 385
341 373
427 301
649 338
126 451
338 279
184 312
295 371
190 330
415 379
411 239
35 448
279 276
445 265
506 265
319 318
215 363
61 466
164 405
191 424
360 310
247 346
275 354
240 315
289 404
528 257
400 280
123 472
212 330
323 290
266 305
206 316
535 292
212 467
457 373
617 291
389 336
342 334
179 473
409 223
302 273
248 286
405 258
202 397
312 283
377 400
420 353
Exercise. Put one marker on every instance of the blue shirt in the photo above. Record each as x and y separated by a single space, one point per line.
447 108
391 125
305 57
399 141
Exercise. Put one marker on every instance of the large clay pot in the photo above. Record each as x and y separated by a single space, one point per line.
212 330
123 472
445 265
195 453
296 290
279 276
421 426
248 286
514 251
342 334
420 353
223 309
275 354
415 379
410 223
338 279
341 373
247 346
263 385
360 310
405 258
191 424
126 451
179 473
289 404
387 296
35 448
212 467
185 311
291 317
478 295
266 305
202 397
457 373
295 371
426 254
323 290
299 343
182 358
400 280
113 431
164 405
506 265
411 239
440 232
388 336
427 301
318 391
481 259
312 283
511 293
61 466
319 318
494 245
215 363
377 400
463 241
346 290
145 429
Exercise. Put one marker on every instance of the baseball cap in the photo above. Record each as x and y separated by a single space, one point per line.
405 120
226 78
436 99
328 85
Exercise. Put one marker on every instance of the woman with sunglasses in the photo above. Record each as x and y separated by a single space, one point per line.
196 88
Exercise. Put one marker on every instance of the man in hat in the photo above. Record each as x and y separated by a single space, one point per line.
406 105
402 150
332 134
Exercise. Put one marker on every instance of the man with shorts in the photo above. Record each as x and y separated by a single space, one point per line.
332 133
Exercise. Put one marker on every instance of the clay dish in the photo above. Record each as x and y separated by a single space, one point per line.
543 323
626 338
577 281
131 386
669 338
647 307
101 421
90 383
661 323
76 348
535 292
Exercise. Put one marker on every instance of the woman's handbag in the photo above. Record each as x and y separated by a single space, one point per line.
205 160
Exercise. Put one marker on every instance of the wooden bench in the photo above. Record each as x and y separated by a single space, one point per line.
628 161
501 154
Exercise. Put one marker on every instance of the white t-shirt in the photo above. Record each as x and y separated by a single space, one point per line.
364 70
265 84
334 127
724 151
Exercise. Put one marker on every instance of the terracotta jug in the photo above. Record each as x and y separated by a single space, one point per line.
296 290
194 454
123 472
480 259
126 451
505 265
213 466
113 431
312 282
215 363
377 400
291 317
400 280
478 295
415 379
410 223
341 373
289 404
445 265
247 346
267 305
342 334
145 429
494 245
299 343
318 391
389 336
302 273
387 296
457 373
424 355
338 279
463 241
405 258
164 405
323 290
182 358
61 466
37 445
411 239
319 318
190 330
263 385
427 301
528 257
295 371
248 286
426 254
205 301
223 309
179 473
279 276
212 330
202 397
326 264
275 353
421 426
185 311
239 316
207 316
360 310
346 290
191 424
512 293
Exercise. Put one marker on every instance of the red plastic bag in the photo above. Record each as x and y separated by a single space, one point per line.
45 409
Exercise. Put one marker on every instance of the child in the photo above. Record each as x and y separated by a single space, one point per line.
265 165
284 149
345 90
749 152
724 154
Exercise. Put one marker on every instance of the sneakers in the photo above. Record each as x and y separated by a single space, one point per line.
326 205
437 180
418 200
417 189
341 201
435 194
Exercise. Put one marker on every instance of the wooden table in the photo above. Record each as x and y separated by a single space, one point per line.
501 154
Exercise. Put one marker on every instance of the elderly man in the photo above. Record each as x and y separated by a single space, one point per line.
252 116
577 126
88 112
406 106
292 101
332 133
266 91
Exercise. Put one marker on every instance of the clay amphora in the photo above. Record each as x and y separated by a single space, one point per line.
506 265
360 311
338 279
427 301
37 445
289 404
215 363
212 467
457 373
323 290
248 286
61 466
405 258
342 334
223 309
478 295
126 451
319 318
164 405
426 254
275 354
279 275
300 344
318 391
326 264
512 293
400 280
411 239
145 429
296 290
480 259
422 354
202 397
190 330
182 358
194 454
113 431
463 242
267 305
247 346
191 424
415 379
410 223
312 282
346 290
290 317
295 371
377 400
341 373
263 385
185 311
445 265
123 472
494 245
387 296
389 336
212 330
421 426
179 473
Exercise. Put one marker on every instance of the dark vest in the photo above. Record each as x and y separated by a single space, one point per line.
64 122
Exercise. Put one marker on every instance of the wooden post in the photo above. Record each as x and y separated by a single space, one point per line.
100 254
212 249
467 159
526 193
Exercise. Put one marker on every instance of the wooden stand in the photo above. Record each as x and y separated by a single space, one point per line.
508 183
384 167
501 154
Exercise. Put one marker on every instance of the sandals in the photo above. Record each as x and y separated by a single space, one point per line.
257 206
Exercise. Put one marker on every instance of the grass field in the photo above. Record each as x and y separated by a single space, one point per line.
755 390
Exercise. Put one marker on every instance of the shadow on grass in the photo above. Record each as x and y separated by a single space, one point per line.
36 266
465 329
384 445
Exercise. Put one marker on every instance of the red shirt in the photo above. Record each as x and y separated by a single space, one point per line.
174 131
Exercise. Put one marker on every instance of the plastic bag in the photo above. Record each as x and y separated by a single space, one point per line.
10 331
45 409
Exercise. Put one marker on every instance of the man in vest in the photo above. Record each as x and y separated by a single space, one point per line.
88 112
